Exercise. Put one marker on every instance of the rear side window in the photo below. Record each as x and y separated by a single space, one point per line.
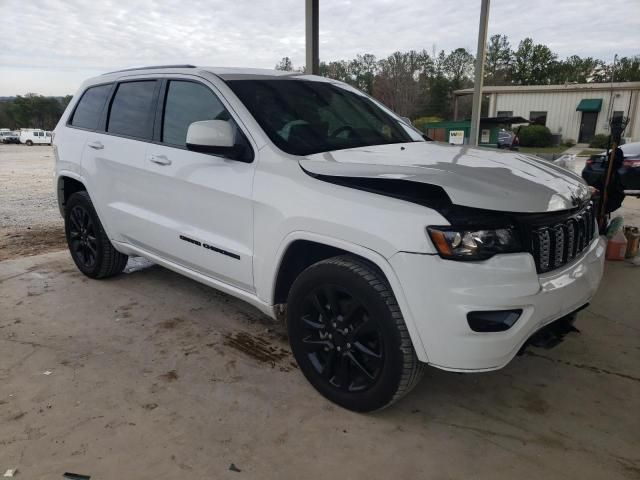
131 109
188 102
89 109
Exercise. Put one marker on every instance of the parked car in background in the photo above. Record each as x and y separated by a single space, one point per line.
35 136
9 136
596 167
508 140
306 197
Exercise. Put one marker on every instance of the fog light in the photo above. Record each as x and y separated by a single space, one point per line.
493 321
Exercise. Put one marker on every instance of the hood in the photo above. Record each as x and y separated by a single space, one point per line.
471 177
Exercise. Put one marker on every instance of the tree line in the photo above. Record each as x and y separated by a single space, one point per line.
414 83
32 111
418 84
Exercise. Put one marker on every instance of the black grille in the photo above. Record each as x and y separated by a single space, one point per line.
557 244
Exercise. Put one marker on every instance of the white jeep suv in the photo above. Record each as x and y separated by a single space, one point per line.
389 251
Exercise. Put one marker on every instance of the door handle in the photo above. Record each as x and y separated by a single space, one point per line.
159 159
96 145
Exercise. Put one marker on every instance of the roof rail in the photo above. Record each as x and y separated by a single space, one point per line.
152 67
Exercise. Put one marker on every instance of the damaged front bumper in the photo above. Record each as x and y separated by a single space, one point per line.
553 333
440 295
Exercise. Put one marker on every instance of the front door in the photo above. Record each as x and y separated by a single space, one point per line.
200 205
587 126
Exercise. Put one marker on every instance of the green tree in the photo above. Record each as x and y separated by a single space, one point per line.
575 69
362 71
458 67
498 61
532 63
285 64
397 82
438 93
338 70
66 100
34 111
627 69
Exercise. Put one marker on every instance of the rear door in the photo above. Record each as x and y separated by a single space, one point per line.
200 205
114 158
85 118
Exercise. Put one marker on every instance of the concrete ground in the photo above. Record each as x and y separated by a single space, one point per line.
150 375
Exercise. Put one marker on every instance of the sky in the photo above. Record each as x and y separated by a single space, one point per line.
49 47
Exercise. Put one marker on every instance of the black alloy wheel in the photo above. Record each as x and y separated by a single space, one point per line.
342 342
348 335
89 245
82 237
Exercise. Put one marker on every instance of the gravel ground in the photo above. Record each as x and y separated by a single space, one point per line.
30 221
26 187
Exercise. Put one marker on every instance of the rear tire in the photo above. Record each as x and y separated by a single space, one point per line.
88 243
29 143
348 335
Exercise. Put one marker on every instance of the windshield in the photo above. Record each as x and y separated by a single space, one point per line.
303 117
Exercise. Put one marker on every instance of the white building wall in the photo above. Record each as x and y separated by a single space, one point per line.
562 116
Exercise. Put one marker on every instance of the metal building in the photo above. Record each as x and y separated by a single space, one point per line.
575 111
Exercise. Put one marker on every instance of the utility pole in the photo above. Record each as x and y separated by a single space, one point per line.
312 11
613 76
479 74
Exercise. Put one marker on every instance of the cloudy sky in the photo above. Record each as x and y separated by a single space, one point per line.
50 46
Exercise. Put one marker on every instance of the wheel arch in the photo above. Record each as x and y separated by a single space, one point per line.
302 249
67 185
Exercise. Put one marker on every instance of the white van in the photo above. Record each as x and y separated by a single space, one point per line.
32 136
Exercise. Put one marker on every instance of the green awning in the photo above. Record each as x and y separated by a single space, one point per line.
589 105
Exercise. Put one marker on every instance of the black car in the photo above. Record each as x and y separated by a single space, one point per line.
596 167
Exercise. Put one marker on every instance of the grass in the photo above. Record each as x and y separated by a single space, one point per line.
590 151
557 149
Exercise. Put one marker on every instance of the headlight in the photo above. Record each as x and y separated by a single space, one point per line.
459 244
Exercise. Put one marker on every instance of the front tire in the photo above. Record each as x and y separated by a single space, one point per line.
88 243
29 143
348 335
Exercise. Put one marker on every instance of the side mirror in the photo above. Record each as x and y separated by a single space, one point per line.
407 120
211 136
219 138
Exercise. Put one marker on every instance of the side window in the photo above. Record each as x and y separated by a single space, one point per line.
89 109
131 109
185 103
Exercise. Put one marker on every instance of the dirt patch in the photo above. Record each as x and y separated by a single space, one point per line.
257 347
535 405
21 242
171 323
170 376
